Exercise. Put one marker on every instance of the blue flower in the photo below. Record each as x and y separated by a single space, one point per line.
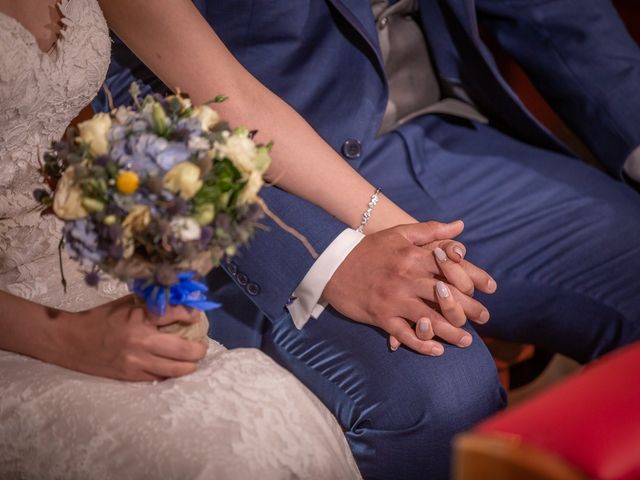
192 125
81 241
186 292
139 125
176 153
148 144
116 133
141 164
119 149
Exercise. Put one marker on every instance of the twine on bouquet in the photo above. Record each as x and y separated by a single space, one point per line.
290 230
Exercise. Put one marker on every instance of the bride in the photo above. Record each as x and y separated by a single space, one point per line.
237 415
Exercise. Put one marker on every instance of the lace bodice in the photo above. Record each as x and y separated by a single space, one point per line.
40 93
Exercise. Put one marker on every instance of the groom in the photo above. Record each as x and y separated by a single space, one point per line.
408 93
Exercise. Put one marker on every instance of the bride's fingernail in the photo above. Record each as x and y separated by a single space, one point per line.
443 291
393 344
459 251
440 254
437 350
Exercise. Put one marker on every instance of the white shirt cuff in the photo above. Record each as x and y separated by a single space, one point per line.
305 302
632 165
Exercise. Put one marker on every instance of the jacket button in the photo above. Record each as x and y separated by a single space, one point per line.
242 279
252 289
232 268
352 148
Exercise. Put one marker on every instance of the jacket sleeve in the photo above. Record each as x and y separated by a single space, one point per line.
270 268
580 57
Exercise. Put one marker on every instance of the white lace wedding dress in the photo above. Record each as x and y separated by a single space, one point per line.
240 416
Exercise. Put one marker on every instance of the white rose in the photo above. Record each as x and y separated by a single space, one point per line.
242 152
94 133
208 116
183 178
198 143
186 229
122 115
67 200
250 190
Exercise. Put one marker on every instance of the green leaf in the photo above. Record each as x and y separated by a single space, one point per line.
216 99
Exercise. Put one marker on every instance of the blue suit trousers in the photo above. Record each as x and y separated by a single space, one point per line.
561 238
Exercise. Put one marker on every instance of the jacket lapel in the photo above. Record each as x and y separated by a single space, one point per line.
359 14
465 10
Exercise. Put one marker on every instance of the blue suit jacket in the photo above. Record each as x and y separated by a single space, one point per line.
322 57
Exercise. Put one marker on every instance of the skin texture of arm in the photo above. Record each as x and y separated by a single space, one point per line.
210 69
179 46
116 340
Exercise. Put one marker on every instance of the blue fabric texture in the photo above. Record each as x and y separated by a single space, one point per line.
559 237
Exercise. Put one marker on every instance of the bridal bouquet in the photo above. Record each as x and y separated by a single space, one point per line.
155 195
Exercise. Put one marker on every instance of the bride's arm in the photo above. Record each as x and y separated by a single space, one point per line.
179 46
188 54
117 340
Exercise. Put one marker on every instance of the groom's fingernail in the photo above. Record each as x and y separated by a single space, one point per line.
423 325
465 341
492 286
440 254
459 251
484 316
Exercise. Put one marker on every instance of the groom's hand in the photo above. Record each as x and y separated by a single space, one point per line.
390 276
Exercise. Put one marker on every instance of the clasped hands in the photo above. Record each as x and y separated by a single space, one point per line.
413 282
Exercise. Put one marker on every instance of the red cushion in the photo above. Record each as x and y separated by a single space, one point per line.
592 419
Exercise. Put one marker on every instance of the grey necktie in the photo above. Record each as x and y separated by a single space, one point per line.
413 86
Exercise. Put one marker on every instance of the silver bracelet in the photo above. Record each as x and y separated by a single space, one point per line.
373 201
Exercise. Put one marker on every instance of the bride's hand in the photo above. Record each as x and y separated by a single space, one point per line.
450 290
121 340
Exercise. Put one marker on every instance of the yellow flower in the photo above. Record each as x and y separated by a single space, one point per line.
250 190
208 116
67 201
262 159
184 178
127 182
205 213
94 133
137 220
